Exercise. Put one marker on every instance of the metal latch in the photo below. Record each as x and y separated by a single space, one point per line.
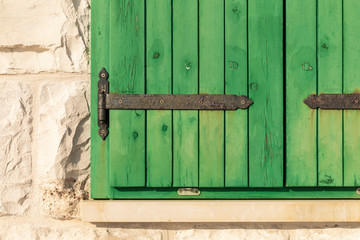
107 101
188 192
334 101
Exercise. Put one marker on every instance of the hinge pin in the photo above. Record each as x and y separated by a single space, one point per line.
103 89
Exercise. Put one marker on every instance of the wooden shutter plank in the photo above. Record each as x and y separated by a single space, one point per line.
99 59
266 90
330 81
301 147
351 85
127 128
211 155
236 122
158 81
185 81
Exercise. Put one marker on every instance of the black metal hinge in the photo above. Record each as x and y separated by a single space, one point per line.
107 101
334 101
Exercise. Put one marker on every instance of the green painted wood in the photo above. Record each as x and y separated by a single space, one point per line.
99 54
236 134
158 81
127 127
200 156
185 81
211 67
240 193
329 50
301 142
266 90
351 85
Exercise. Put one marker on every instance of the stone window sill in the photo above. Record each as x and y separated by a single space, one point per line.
220 210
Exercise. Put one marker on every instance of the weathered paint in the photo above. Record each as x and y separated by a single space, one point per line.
158 81
185 81
99 54
126 75
300 82
211 80
329 51
236 70
265 34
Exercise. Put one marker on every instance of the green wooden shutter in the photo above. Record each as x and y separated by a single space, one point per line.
322 146
275 52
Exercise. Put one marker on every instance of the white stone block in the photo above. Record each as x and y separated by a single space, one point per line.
63 158
48 229
15 147
38 36
17 231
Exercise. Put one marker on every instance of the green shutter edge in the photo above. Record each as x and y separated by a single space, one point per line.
237 193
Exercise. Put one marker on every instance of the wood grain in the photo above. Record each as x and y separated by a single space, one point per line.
127 127
266 90
211 67
329 51
158 81
185 80
351 85
236 122
301 121
100 58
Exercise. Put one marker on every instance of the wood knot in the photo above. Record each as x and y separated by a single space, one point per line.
306 66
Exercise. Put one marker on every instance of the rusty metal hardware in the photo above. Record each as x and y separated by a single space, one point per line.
107 101
334 101
103 89
176 101
188 192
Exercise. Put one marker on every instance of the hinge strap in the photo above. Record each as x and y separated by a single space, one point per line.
334 101
107 101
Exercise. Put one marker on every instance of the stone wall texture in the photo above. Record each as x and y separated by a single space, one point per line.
45 137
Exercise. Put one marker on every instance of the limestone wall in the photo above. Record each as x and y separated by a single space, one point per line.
45 136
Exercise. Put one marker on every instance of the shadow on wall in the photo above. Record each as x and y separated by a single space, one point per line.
64 147
225 226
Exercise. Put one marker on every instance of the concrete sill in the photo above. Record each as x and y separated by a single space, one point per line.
220 210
